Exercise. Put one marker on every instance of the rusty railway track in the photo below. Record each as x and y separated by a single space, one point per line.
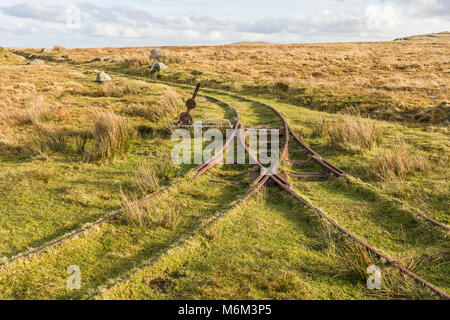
282 183
279 180
200 170
312 153
333 169
260 182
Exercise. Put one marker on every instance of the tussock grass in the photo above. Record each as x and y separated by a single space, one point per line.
145 180
167 107
398 162
112 134
110 138
58 48
47 139
138 60
38 111
353 260
397 285
152 213
110 89
349 131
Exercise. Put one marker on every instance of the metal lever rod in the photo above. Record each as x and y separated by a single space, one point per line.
196 91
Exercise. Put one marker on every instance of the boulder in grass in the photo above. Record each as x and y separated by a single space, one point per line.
103 76
46 50
36 62
158 67
157 53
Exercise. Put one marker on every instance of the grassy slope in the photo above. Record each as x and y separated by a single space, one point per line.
52 203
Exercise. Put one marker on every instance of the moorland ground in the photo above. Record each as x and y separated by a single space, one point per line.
73 150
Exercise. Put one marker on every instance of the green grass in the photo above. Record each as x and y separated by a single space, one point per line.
269 248
262 250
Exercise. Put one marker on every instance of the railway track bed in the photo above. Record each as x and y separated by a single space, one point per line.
272 246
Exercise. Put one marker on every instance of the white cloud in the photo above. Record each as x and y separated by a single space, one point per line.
133 25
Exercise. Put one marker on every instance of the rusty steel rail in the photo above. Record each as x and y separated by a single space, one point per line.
258 184
317 157
208 164
340 173
364 243
201 169
282 183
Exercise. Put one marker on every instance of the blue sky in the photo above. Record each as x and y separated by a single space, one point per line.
200 22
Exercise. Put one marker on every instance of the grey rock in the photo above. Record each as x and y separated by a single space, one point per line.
36 62
156 53
108 59
103 76
158 67
403 39
46 50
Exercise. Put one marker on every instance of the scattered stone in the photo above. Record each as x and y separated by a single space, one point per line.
60 59
156 53
46 50
227 51
158 67
36 62
108 59
403 39
103 76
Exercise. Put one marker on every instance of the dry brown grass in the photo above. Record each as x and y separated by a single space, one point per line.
398 162
137 60
145 180
348 130
112 134
400 69
58 48
168 106
110 89
149 212
38 111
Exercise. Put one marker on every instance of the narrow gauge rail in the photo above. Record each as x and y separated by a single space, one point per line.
200 170
312 154
333 169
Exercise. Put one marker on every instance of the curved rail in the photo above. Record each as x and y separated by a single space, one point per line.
201 169
283 185
313 154
365 244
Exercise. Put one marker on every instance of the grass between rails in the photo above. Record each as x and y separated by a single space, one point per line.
367 215
113 249
50 182
421 247
264 250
